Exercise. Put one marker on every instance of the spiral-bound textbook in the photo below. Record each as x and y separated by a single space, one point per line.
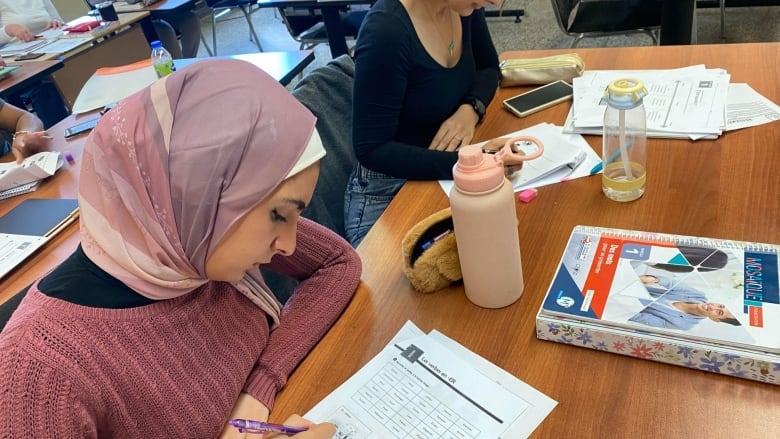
708 304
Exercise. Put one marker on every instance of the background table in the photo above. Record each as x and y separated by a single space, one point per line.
122 42
282 66
330 17
28 74
723 188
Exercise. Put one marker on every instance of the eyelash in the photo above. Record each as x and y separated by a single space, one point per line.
276 217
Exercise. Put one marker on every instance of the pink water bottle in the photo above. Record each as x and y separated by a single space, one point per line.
483 213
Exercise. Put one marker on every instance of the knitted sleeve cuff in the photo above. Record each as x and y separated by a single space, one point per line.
262 387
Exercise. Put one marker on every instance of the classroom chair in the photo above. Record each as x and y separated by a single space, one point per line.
599 18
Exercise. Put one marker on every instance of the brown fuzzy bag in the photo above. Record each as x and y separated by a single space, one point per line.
430 253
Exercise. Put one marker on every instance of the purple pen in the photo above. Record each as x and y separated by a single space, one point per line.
257 427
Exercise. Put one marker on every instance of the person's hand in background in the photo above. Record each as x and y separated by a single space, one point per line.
18 31
29 136
53 24
26 144
456 131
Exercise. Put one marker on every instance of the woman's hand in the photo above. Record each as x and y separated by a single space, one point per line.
53 24
27 144
326 430
19 31
247 407
457 130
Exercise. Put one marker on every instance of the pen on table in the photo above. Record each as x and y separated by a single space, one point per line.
258 427
70 219
574 165
600 165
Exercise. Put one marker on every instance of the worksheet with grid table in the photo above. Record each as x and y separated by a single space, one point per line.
419 387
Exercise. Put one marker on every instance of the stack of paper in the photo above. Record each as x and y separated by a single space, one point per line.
17 47
53 40
689 102
565 157
430 386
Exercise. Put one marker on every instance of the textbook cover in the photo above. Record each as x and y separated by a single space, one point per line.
708 304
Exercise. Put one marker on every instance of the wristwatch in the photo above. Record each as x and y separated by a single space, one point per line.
477 105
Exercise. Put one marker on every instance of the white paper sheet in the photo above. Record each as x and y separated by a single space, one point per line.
747 108
556 144
101 90
33 168
63 45
419 388
14 249
17 47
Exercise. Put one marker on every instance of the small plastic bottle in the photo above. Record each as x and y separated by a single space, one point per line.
625 134
485 221
162 61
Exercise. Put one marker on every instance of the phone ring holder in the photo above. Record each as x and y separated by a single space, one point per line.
516 151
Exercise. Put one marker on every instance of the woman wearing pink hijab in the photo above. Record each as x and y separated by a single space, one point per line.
160 324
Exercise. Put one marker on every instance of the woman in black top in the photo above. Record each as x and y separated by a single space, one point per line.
424 72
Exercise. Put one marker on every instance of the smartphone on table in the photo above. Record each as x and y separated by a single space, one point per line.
539 98
29 56
82 127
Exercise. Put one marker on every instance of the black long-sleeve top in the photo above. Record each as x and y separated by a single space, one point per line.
402 95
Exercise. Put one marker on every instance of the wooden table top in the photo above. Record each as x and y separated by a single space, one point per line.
164 6
124 21
724 188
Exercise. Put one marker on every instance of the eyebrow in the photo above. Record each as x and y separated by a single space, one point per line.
299 204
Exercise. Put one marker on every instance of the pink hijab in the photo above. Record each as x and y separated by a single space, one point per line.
169 169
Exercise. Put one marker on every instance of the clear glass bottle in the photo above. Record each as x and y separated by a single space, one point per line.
624 153
485 221
162 61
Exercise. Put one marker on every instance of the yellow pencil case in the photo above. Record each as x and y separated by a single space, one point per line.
544 70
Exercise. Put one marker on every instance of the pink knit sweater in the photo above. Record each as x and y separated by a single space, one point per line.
174 368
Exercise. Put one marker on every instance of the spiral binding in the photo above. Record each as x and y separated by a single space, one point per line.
678 239
20 190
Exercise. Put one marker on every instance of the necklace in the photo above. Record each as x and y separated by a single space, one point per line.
451 46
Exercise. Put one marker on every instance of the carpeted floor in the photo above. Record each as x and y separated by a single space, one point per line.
538 30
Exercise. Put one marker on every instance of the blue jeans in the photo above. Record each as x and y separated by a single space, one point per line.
368 195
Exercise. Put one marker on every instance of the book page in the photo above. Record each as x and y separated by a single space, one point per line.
420 388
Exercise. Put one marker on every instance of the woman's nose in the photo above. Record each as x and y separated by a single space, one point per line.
285 243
